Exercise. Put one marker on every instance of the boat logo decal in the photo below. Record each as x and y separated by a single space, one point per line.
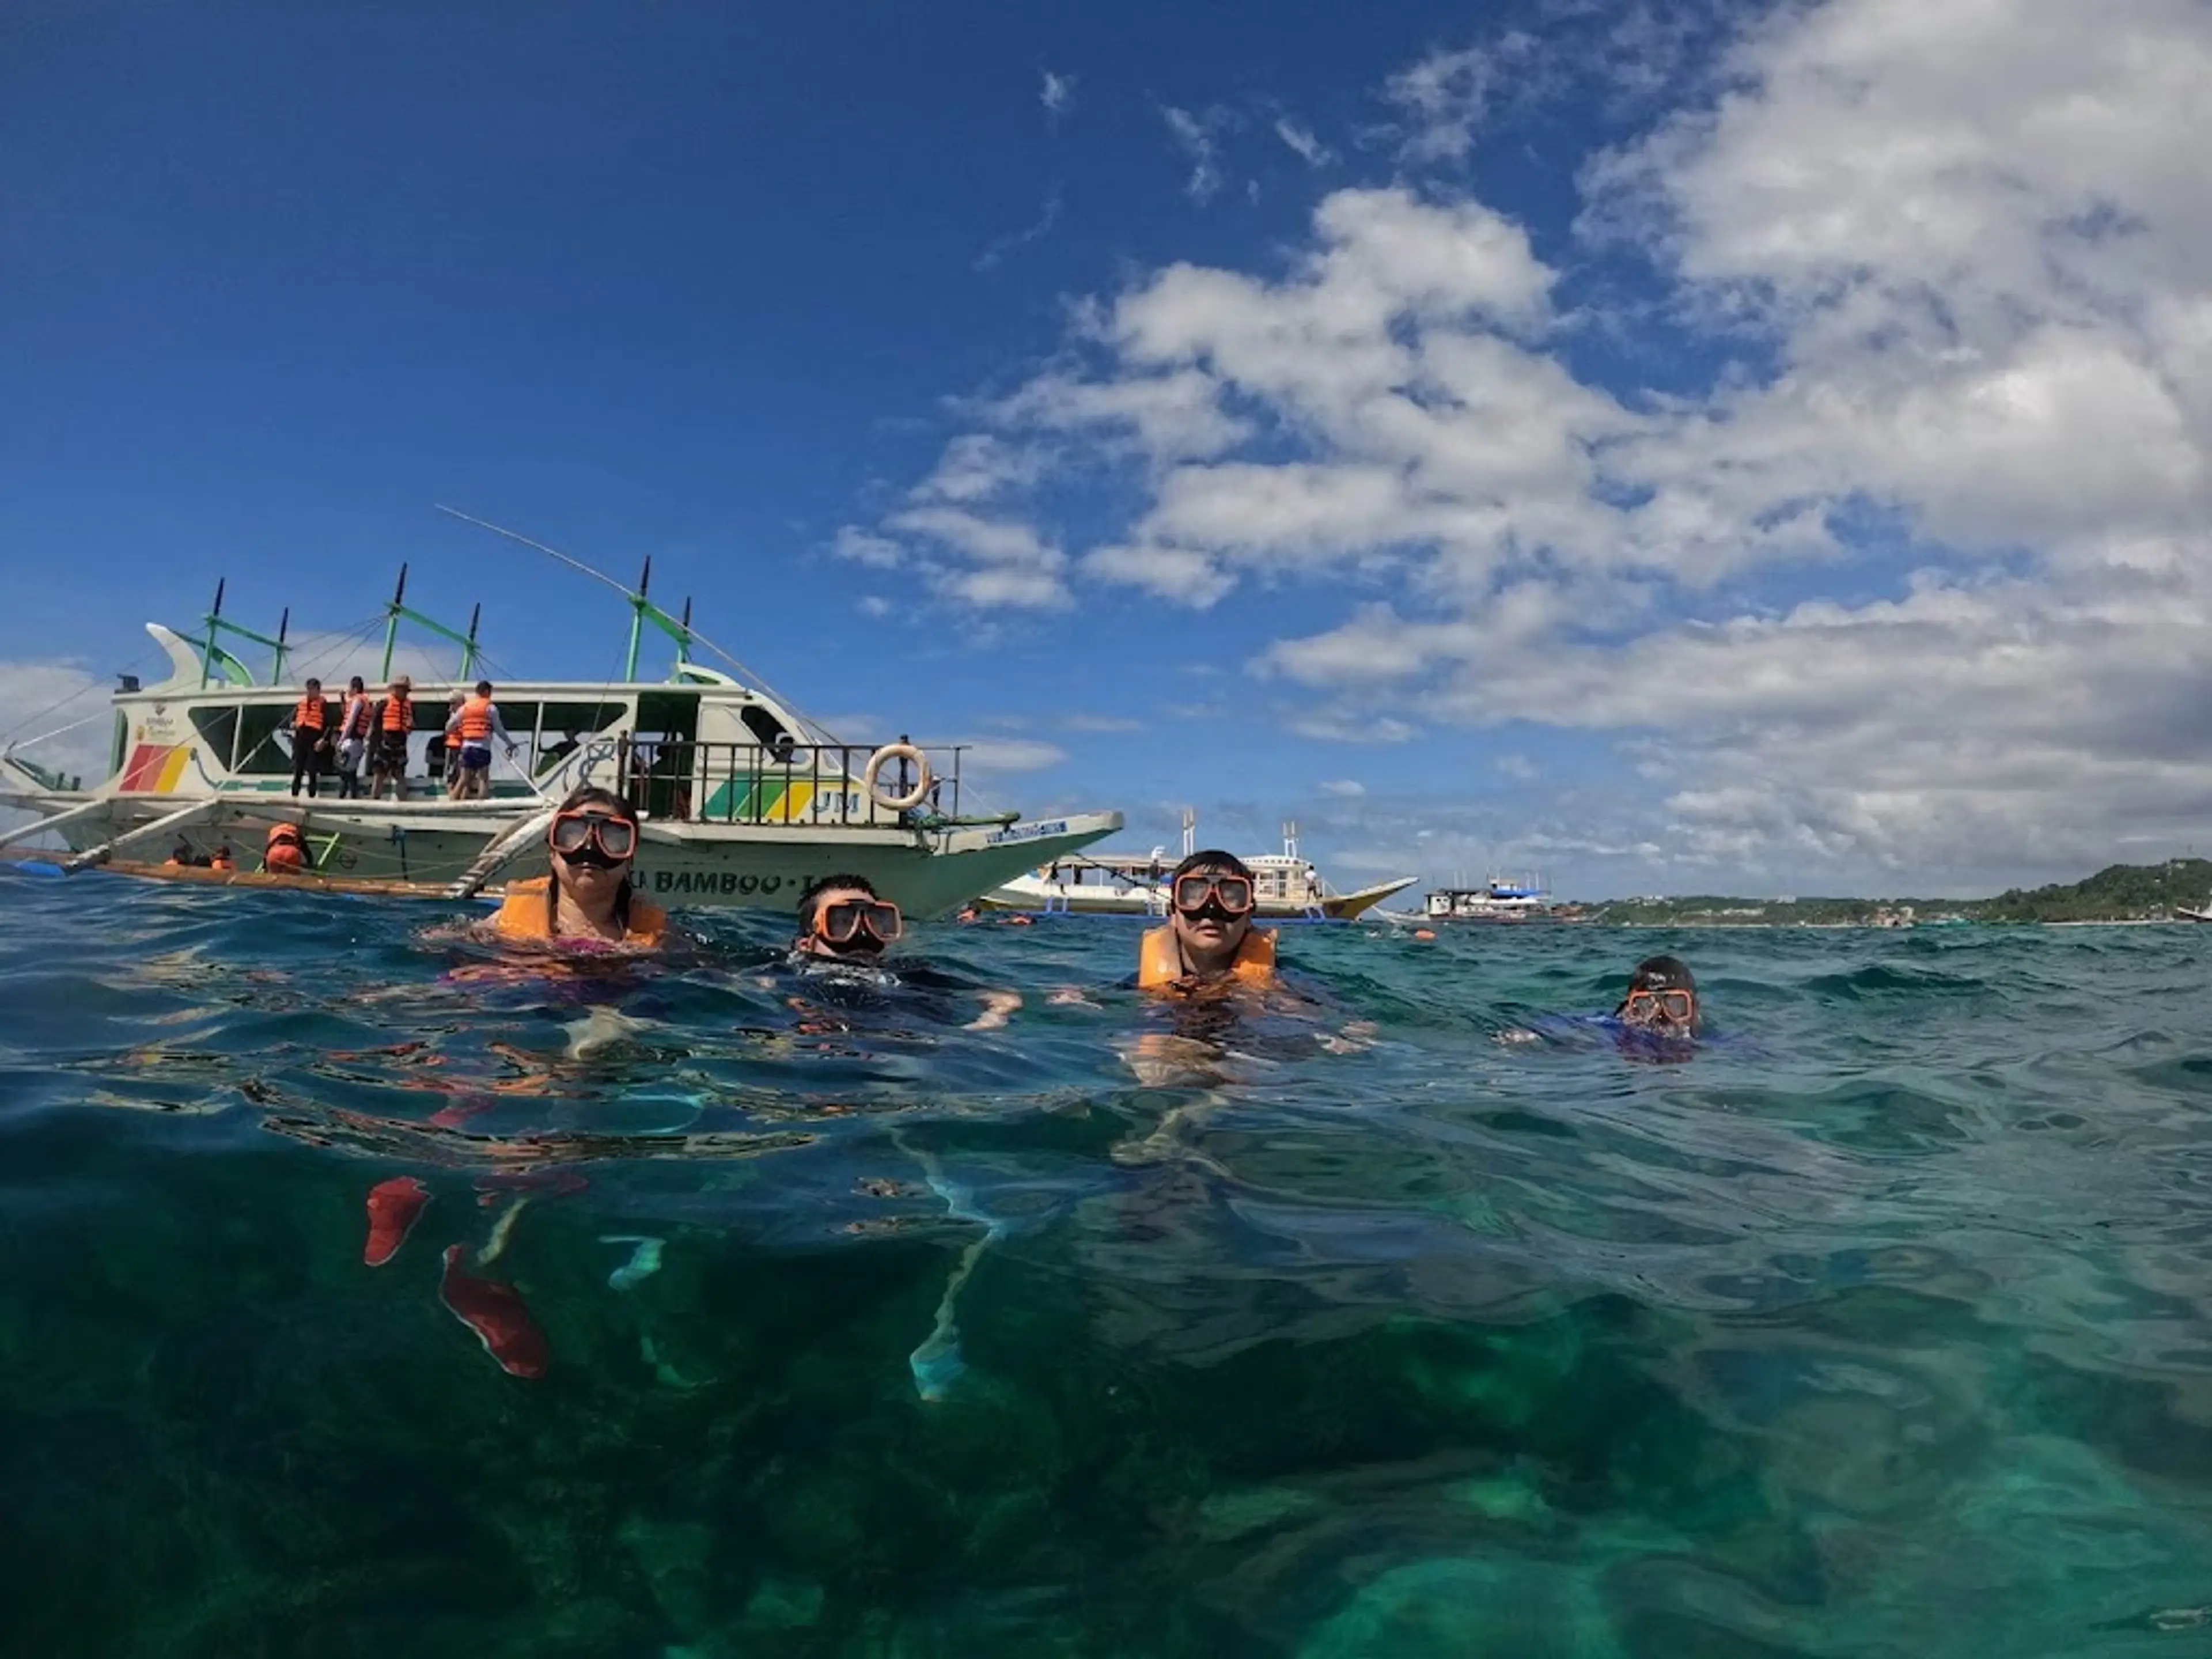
1028 832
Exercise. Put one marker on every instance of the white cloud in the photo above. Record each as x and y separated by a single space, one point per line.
1345 789
875 604
1057 95
1036 231
1100 723
1303 143
1935 279
66 706
1446 97
1198 138
865 547
996 756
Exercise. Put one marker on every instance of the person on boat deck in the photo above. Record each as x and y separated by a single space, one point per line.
393 720
441 756
587 902
357 720
843 920
1209 940
474 723
311 724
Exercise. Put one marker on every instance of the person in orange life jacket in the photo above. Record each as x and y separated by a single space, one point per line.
474 723
311 724
286 852
1209 940
222 858
357 720
588 903
392 718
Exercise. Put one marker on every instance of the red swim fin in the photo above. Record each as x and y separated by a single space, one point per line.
494 1312
394 1207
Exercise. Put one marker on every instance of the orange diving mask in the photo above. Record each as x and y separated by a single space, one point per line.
842 924
1232 894
616 838
1680 1007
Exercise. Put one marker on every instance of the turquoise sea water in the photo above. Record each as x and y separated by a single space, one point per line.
1879 1329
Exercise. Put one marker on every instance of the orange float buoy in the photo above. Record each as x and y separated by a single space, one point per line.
1423 933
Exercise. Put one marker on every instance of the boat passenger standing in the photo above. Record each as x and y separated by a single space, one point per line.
394 719
441 756
312 725
474 723
356 721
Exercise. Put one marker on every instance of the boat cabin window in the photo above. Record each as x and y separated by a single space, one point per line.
260 750
664 753
770 733
218 730
562 729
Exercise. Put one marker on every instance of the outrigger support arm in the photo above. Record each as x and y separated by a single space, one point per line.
398 608
499 852
105 850
21 831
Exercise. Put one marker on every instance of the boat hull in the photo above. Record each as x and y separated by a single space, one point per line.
1034 895
419 847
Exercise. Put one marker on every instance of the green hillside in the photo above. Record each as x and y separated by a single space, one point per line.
2120 892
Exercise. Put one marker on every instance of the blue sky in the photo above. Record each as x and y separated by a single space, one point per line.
1566 437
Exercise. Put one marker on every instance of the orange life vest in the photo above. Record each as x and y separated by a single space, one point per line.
399 713
475 720
312 715
221 861
282 832
1162 963
355 723
523 913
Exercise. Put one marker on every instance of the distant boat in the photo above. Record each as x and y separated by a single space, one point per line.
1497 899
1287 885
2182 913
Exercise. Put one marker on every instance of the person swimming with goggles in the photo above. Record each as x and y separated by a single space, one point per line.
1209 938
586 902
1659 1011
845 924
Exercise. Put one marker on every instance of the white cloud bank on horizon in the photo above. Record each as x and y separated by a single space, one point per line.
1955 266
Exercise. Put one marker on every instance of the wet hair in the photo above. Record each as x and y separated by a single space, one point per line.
1214 858
1659 974
617 806
811 900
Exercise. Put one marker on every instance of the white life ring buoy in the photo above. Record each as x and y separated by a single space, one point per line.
914 797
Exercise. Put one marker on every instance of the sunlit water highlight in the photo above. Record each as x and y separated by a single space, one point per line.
1877 1328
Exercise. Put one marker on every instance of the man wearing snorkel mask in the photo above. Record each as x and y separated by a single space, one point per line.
842 922
1209 938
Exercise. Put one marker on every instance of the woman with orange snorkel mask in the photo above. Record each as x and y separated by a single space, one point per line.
587 902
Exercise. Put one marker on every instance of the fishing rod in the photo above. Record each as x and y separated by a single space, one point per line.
634 597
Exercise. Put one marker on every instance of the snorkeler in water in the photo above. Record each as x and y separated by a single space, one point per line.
1659 1013
845 928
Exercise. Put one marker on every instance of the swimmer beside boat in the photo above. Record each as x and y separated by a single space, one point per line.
588 903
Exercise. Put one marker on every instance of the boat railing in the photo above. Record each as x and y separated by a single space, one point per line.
785 783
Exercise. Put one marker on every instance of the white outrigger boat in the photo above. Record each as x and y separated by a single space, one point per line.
1497 900
1286 886
742 801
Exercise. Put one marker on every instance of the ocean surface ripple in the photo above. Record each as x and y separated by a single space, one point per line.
1876 1326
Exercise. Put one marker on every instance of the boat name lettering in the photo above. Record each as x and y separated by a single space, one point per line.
1028 832
725 882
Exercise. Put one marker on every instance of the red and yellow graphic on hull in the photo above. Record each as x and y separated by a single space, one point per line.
155 768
